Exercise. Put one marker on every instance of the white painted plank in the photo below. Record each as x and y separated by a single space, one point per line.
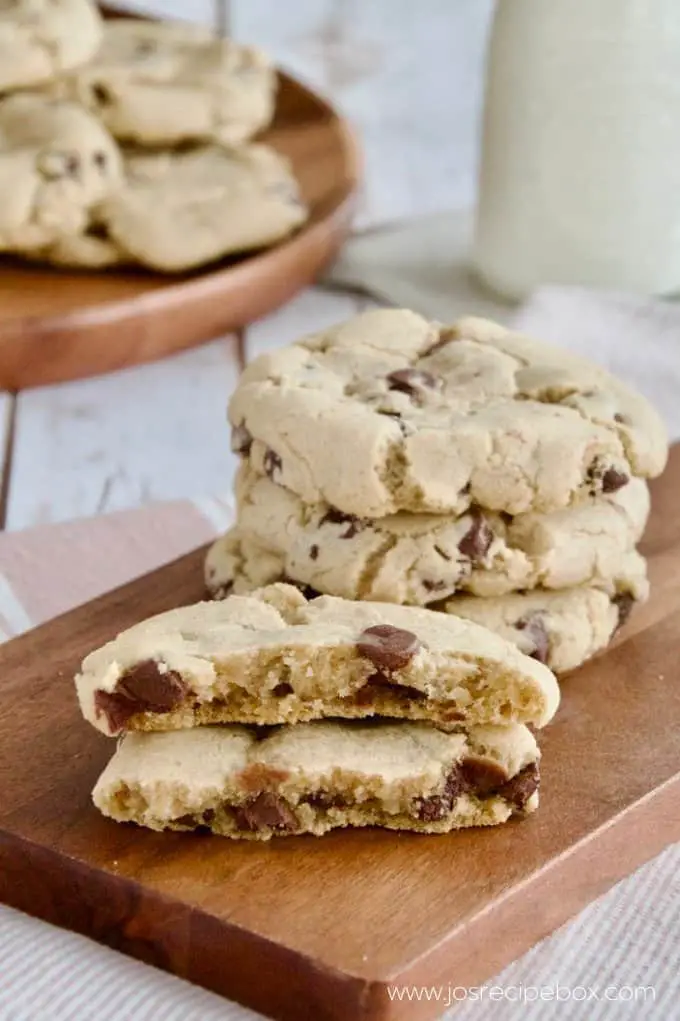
150 433
409 75
312 310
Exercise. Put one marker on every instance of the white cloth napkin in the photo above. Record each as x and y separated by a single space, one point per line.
619 958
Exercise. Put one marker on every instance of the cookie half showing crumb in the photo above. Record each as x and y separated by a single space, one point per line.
562 629
236 782
416 559
275 657
391 412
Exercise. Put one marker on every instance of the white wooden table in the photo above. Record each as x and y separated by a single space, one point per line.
409 76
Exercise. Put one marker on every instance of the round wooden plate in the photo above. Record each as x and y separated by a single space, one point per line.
59 324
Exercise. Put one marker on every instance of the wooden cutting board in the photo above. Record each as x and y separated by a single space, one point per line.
323 928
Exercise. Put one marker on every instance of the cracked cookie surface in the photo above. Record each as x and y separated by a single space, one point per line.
391 412
276 657
419 558
57 163
41 38
564 628
315 777
177 210
162 83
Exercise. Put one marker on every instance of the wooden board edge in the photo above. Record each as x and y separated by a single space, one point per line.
584 872
173 936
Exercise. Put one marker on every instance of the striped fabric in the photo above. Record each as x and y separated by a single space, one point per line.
629 938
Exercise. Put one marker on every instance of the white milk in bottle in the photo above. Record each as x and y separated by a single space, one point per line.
580 178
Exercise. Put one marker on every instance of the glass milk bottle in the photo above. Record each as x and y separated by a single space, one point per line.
580 178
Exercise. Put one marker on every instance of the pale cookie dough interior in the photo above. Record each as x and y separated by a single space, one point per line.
57 163
179 210
318 776
41 38
418 558
274 657
391 412
161 83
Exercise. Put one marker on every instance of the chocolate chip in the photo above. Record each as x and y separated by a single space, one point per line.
437 806
476 542
307 591
353 525
379 682
612 480
482 775
141 689
387 647
60 164
267 810
100 160
271 462
433 586
325 800
534 625
102 95
241 440
221 591
618 417
624 602
411 381
313 552
282 689
519 789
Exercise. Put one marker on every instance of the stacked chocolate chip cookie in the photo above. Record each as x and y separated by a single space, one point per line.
194 693
133 145
465 468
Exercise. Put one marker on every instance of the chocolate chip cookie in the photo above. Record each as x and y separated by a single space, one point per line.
418 558
391 412
275 657
180 209
57 164
562 629
162 83
316 777
41 38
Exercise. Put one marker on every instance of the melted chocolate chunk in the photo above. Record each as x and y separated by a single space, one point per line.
618 417
271 463
534 625
241 440
411 381
325 800
379 682
266 811
100 160
313 552
144 688
353 525
282 689
482 775
102 94
388 648
307 591
519 789
624 602
437 806
476 542
613 480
